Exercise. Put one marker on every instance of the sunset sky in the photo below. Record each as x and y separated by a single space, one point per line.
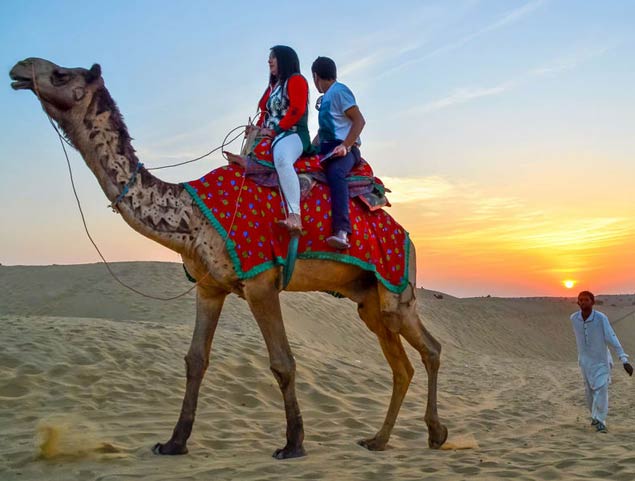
505 129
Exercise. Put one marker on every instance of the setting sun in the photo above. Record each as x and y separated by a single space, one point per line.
568 283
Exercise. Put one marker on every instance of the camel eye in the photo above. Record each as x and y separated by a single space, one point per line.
59 78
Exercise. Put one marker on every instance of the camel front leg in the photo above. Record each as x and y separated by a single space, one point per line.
208 309
264 303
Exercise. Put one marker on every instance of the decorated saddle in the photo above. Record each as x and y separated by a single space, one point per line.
244 206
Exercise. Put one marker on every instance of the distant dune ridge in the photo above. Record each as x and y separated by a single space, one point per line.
92 375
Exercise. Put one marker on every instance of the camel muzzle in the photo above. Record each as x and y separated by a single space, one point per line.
21 81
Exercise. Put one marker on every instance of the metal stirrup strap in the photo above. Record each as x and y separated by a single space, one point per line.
289 265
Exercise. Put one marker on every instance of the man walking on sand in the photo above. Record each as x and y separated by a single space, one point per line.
593 335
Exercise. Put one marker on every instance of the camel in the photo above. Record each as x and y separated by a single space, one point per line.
79 102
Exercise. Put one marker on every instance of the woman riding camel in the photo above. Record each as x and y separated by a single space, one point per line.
283 116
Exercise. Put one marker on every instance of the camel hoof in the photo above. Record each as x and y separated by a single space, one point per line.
168 448
436 440
372 444
288 453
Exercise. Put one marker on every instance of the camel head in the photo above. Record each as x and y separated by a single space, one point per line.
64 92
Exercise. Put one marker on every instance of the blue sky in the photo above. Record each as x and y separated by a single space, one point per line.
489 120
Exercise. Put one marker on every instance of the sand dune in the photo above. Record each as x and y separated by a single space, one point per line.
98 372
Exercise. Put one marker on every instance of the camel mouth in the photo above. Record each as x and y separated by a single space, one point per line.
20 82
22 85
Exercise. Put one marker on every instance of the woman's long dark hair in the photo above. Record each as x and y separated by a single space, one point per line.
288 64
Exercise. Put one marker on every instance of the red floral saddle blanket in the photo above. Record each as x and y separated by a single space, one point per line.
361 181
246 213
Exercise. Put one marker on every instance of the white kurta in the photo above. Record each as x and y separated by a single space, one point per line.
593 337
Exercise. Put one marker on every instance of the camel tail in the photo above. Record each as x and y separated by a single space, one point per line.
412 266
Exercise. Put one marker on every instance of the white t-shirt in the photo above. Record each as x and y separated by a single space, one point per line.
334 124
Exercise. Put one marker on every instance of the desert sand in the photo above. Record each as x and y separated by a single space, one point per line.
92 376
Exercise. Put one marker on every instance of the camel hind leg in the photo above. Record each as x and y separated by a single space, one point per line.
417 335
402 371
390 315
401 312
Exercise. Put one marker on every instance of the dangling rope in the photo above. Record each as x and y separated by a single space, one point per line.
221 146
81 211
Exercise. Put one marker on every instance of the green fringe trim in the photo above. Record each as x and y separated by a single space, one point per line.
335 294
263 162
230 244
280 261
346 259
188 275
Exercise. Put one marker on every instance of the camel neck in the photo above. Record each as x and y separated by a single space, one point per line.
156 209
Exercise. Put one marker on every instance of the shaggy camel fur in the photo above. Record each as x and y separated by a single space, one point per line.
77 99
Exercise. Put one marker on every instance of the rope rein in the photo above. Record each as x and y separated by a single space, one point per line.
126 187
221 146
125 191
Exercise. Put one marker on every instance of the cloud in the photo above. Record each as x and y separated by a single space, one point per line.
466 215
507 19
571 61
461 96
513 16
407 190
464 95
402 34
580 234
363 63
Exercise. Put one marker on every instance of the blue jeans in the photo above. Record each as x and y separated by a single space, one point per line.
336 170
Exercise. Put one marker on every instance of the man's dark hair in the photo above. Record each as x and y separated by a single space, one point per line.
324 68
288 63
589 294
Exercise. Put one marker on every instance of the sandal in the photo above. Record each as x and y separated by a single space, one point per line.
339 240
293 223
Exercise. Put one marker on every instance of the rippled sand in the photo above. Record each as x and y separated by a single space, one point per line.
91 376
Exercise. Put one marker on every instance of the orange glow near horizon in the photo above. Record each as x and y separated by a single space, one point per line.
469 241
469 244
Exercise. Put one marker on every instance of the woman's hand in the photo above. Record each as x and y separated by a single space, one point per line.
259 131
251 128
267 132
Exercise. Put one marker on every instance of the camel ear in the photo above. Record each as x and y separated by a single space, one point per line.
94 73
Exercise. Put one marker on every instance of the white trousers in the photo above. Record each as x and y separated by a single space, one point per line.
597 400
285 152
